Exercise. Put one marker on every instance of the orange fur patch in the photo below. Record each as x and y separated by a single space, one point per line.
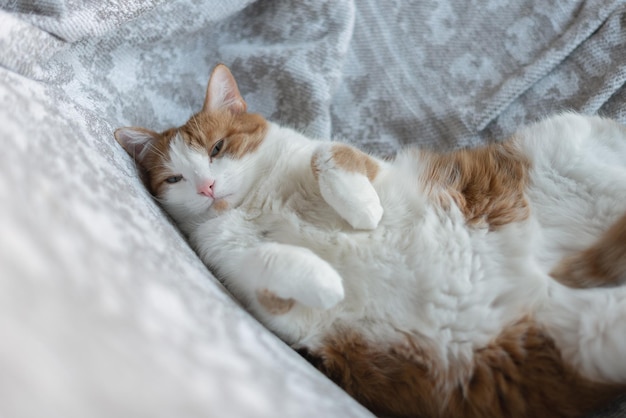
242 133
604 263
486 183
353 160
220 205
154 171
274 304
519 374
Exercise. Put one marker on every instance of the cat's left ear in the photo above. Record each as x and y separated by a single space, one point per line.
136 141
223 93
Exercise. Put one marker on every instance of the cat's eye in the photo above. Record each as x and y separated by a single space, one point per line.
174 179
217 148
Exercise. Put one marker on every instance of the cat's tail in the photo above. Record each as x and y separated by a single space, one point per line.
602 264
589 327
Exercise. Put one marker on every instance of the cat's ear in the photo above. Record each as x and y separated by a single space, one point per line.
136 141
222 92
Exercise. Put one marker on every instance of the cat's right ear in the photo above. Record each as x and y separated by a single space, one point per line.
222 92
136 141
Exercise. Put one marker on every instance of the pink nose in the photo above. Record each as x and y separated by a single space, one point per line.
206 188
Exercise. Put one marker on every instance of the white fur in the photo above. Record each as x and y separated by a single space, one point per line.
271 266
418 269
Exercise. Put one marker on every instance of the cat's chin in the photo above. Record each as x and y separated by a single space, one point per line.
220 205
190 210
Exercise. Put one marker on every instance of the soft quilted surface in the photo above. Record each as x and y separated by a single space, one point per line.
105 311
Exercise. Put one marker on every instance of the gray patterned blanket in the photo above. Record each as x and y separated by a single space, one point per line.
104 309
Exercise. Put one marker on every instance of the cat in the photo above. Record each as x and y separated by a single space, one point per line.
482 282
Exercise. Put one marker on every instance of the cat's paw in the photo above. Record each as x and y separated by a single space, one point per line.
322 289
368 215
353 197
292 272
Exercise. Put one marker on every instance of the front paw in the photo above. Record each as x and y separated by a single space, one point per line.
273 303
368 213
353 197
322 288
291 272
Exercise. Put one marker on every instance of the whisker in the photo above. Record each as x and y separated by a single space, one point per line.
160 166
197 125
158 152
160 200
191 112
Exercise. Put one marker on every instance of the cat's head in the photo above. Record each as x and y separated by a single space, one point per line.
205 166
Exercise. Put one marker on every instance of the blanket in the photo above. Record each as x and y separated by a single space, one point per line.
104 308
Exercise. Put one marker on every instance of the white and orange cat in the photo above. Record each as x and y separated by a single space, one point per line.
478 283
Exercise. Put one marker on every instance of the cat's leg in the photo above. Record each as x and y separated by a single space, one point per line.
345 177
290 272
604 263
589 327
270 273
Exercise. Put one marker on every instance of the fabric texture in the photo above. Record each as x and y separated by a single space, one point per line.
104 308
